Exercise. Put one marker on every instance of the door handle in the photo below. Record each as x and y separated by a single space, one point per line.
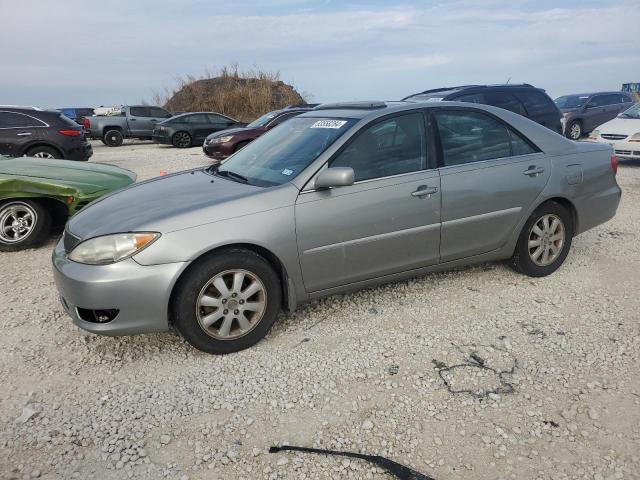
133 119
154 120
423 191
533 171
24 134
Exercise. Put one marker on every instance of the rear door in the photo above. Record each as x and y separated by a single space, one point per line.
199 125
388 221
17 131
139 120
490 175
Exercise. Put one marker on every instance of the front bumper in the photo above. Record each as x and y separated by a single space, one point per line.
163 139
623 149
139 293
217 151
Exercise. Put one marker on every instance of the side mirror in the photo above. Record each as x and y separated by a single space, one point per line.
334 177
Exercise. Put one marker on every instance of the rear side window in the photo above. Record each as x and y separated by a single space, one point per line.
213 118
468 137
197 118
390 147
611 99
472 98
140 111
537 103
16 120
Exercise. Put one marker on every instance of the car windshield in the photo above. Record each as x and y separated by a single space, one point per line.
571 101
263 120
632 112
281 154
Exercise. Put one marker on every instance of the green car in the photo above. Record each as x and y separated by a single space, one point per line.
36 194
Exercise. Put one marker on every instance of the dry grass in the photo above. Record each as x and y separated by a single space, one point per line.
243 95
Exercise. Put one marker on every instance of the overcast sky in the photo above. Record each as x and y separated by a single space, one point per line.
59 53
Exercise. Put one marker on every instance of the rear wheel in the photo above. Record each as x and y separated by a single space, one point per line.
23 224
227 302
181 140
43 152
113 138
545 241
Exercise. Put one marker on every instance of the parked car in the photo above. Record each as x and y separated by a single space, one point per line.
41 133
77 114
622 133
137 121
585 111
220 145
341 197
37 193
185 130
523 99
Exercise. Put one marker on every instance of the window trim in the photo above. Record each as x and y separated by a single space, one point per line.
43 123
510 128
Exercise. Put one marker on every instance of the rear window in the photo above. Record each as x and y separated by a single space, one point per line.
537 103
66 121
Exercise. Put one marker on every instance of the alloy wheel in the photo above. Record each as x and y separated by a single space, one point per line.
546 239
575 131
182 140
16 222
43 155
231 304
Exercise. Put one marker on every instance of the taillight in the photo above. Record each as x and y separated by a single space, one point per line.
86 123
614 164
70 133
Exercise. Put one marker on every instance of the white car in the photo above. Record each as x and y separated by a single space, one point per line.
622 133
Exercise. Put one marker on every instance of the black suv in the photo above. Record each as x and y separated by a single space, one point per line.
523 99
41 133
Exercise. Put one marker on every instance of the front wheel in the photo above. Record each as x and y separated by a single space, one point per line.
227 302
23 224
545 241
574 130
181 140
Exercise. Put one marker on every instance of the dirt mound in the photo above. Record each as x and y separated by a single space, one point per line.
241 97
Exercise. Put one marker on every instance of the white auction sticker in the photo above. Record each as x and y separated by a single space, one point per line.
329 124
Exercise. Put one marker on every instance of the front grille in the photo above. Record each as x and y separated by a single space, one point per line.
69 241
613 136
623 152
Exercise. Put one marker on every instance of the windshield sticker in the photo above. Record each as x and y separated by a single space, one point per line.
329 124
287 172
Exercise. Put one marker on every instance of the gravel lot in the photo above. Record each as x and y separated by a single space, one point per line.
474 374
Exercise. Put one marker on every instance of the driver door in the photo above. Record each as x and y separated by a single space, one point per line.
387 222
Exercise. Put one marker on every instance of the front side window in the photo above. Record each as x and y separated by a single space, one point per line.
15 120
597 101
215 118
571 101
281 154
468 137
390 147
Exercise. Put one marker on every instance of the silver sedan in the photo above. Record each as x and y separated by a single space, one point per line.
343 197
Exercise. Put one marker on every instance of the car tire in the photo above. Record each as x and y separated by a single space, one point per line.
574 130
33 231
544 241
199 300
240 146
113 138
181 140
43 152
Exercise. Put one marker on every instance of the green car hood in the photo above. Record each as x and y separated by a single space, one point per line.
85 177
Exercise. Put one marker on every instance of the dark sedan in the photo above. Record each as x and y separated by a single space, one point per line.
220 145
190 129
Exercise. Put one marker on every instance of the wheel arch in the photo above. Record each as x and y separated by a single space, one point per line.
41 143
58 209
287 300
114 127
569 205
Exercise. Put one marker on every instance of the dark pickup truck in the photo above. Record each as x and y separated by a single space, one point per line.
136 121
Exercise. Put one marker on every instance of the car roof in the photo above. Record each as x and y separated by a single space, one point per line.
373 109
445 91
590 94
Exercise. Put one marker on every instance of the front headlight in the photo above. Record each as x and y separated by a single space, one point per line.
222 139
112 248
635 137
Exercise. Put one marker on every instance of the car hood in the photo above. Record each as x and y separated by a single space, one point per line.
620 126
87 177
166 204
231 131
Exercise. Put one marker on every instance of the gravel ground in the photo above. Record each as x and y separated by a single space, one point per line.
479 373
